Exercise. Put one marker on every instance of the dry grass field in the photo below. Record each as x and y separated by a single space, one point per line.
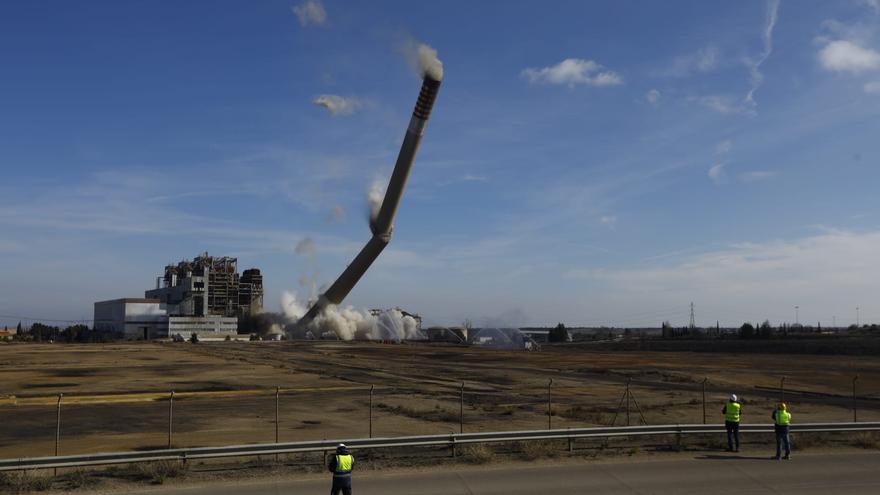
116 395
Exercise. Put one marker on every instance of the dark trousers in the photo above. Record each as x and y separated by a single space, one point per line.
732 435
342 484
782 439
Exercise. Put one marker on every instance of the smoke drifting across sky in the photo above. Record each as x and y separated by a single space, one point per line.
338 105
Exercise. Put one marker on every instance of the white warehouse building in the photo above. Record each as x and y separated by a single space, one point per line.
132 317
148 319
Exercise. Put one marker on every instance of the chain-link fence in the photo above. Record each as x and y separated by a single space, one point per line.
41 426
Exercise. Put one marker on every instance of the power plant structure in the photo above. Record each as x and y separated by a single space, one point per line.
205 296
209 286
383 223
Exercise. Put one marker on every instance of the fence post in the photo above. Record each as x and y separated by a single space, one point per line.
855 401
626 393
570 445
57 431
371 410
461 410
58 425
170 416
277 400
549 406
704 399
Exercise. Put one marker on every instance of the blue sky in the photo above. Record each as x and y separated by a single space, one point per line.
586 162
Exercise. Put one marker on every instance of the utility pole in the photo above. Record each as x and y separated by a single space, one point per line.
858 319
834 322
371 410
549 406
277 399
796 315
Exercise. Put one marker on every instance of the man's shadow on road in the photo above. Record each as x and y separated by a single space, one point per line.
718 457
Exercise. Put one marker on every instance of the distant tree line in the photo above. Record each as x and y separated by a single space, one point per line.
751 331
39 332
559 334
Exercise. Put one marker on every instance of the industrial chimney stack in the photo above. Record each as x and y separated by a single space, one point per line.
383 224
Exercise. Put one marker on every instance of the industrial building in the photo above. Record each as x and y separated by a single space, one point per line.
209 286
203 296
132 317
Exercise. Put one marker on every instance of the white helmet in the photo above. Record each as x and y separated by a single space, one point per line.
732 397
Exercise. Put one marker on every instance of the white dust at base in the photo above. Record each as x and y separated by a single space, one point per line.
349 323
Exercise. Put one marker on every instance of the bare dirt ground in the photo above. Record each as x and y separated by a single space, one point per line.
116 395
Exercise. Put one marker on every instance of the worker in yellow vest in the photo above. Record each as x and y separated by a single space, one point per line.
781 422
341 465
732 411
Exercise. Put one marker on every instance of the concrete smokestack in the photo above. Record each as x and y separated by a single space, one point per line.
383 223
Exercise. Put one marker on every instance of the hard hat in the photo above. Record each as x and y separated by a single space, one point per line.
341 446
732 397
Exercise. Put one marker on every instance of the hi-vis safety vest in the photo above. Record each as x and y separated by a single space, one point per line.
783 418
343 465
731 412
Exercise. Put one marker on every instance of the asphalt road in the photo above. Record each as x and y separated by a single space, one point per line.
836 474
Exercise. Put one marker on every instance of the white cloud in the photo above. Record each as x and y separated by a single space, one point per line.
757 175
718 103
871 4
474 178
573 71
707 59
310 12
723 147
609 220
755 75
872 87
704 60
847 56
716 173
653 96
338 105
833 271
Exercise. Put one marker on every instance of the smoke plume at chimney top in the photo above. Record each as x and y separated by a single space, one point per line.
429 64
423 59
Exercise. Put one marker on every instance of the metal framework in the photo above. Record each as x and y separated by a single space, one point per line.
217 289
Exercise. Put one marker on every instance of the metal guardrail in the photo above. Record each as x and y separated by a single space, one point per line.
449 440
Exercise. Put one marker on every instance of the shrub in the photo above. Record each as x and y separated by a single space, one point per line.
438 414
580 413
24 481
539 449
478 453
868 440
159 471
804 441
80 479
